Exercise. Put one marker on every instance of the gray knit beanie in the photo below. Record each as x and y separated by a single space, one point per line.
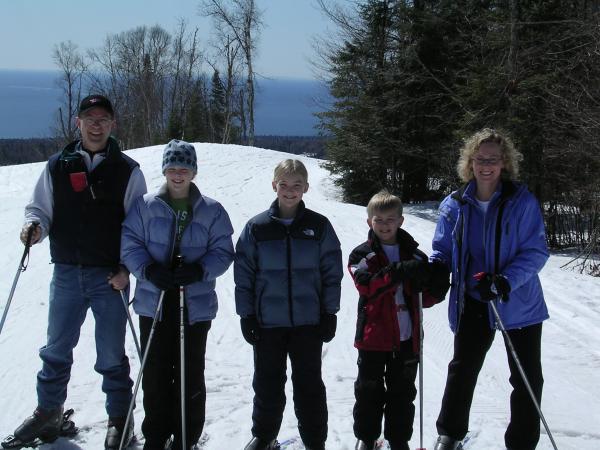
179 154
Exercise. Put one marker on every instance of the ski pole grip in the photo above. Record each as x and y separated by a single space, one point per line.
31 229
479 276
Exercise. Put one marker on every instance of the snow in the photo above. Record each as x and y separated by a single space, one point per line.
240 178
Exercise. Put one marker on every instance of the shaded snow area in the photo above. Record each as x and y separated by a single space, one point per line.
240 178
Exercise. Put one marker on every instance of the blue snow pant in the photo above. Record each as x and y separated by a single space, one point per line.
73 290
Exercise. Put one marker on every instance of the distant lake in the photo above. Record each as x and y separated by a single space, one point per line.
29 101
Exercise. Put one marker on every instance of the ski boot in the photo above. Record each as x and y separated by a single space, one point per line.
315 447
447 443
44 425
362 445
260 444
175 444
399 446
115 432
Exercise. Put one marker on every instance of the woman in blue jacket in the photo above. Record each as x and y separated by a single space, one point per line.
492 226
176 220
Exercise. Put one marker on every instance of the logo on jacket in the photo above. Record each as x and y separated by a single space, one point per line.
308 232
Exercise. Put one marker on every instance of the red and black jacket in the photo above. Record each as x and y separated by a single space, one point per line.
377 327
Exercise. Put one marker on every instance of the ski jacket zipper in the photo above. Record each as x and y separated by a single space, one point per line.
289 270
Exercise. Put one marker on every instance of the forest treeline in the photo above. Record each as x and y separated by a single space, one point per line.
313 146
412 79
409 80
22 151
166 84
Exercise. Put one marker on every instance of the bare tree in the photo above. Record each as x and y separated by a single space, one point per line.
227 54
243 19
69 60
185 70
134 70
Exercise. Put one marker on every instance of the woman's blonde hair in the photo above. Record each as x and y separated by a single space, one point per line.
510 155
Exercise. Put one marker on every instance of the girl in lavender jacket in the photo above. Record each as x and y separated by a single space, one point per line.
176 220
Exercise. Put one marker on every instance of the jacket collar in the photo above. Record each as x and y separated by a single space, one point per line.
71 151
274 210
466 193
404 240
194 196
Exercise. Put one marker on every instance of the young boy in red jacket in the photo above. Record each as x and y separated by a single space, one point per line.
389 271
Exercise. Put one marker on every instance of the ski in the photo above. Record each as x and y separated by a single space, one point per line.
380 444
468 440
287 443
67 429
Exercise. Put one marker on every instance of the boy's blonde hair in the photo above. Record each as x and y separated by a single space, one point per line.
290 167
510 155
383 201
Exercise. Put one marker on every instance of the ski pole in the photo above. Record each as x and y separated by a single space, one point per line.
421 371
135 338
179 263
22 268
143 364
521 371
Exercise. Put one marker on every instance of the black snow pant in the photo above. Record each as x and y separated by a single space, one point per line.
161 379
385 389
471 344
303 345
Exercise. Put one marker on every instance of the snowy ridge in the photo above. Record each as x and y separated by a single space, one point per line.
240 178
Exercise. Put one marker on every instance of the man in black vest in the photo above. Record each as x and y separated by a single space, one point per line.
79 201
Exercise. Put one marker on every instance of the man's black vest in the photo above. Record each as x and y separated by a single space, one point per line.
88 207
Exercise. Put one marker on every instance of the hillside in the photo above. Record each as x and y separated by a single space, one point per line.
240 177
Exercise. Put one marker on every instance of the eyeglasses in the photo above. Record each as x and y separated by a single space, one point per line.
487 161
103 122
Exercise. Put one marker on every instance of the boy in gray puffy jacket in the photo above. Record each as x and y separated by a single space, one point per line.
288 270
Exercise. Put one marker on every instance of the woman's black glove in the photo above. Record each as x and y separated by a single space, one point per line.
491 286
439 282
327 326
159 276
187 274
250 329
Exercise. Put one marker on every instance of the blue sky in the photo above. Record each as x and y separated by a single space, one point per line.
29 29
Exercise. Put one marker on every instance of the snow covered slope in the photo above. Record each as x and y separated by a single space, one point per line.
240 178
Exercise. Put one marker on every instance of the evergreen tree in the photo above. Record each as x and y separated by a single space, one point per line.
410 80
174 126
197 120
217 108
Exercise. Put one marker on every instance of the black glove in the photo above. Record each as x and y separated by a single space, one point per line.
327 326
439 281
159 276
250 329
418 272
491 287
187 274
